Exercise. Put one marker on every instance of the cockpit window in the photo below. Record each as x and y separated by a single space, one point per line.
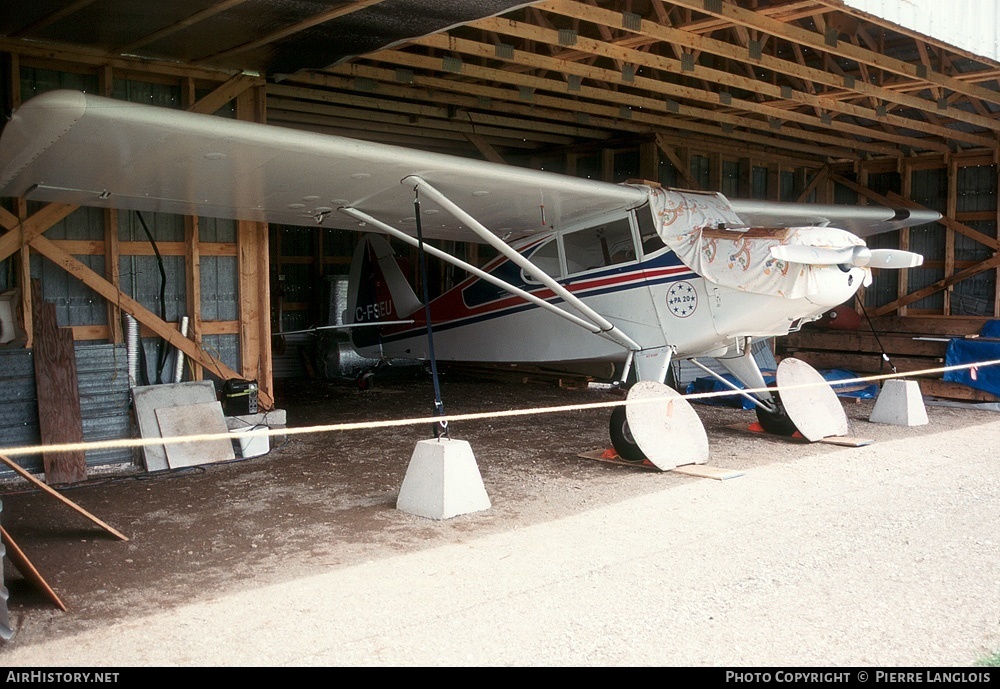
599 246
546 259
648 236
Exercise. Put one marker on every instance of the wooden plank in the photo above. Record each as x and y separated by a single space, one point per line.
867 363
485 148
957 391
111 272
192 283
951 326
59 419
224 93
683 38
863 341
941 284
706 471
846 441
32 227
61 498
28 570
844 49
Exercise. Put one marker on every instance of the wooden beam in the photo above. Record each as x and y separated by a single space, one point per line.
168 331
944 283
783 99
656 86
484 147
507 100
894 199
673 36
64 500
190 20
224 93
290 30
818 42
951 204
679 165
192 281
31 227
818 179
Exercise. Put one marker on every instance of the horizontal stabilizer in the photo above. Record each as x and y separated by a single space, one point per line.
858 256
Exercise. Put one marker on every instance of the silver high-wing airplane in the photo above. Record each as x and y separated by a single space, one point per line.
588 270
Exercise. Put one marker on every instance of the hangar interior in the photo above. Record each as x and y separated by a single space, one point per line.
792 100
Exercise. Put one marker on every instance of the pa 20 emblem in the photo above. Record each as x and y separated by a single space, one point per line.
682 299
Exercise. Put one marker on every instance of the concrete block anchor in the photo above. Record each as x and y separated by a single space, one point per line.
900 404
442 481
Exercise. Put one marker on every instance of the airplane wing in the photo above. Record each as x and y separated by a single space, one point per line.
862 221
71 147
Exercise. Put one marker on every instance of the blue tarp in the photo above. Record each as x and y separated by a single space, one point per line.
708 384
962 351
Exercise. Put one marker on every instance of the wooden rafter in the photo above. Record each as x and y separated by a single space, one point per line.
835 81
626 100
792 99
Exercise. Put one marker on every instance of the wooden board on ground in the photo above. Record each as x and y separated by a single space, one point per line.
28 571
64 500
843 440
611 457
706 471
699 470
195 419
846 441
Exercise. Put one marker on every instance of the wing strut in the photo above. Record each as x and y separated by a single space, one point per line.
483 275
603 325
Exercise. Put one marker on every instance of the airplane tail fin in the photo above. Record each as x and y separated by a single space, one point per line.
376 290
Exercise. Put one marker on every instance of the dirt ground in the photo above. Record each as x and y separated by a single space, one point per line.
326 501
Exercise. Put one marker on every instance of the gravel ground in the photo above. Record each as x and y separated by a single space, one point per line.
882 555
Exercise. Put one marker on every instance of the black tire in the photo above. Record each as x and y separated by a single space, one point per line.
364 379
621 437
777 422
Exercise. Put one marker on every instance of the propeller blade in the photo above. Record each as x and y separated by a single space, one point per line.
895 258
858 256
814 255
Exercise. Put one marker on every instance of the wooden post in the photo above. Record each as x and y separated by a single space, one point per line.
24 277
649 161
903 286
949 234
192 257
192 279
996 279
715 171
608 164
745 180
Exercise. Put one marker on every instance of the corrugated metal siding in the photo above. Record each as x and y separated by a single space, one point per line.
102 377
973 25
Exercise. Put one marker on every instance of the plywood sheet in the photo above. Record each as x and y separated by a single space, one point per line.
148 398
195 419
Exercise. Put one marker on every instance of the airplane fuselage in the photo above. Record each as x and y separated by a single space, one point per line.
658 301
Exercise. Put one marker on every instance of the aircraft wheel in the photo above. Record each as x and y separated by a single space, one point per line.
621 437
776 423
364 379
